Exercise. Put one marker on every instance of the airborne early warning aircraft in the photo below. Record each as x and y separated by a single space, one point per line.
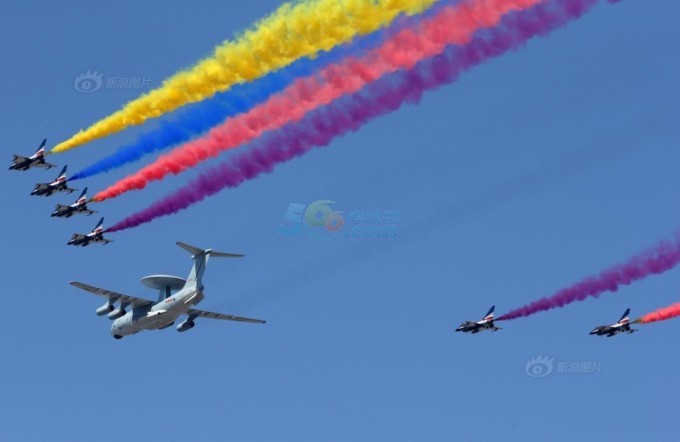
623 326
58 185
96 235
486 323
149 315
80 206
35 160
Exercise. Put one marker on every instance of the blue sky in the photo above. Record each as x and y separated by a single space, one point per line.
534 170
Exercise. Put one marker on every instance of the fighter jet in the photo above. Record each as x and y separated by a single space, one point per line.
35 160
486 323
623 326
150 315
97 235
80 206
58 185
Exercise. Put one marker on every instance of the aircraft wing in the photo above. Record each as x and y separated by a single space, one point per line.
60 210
212 315
113 296
43 165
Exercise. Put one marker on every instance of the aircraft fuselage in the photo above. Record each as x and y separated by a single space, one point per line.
476 327
612 330
156 316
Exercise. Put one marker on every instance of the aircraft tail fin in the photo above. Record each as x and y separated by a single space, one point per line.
624 318
200 257
99 227
489 314
62 173
82 195
42 146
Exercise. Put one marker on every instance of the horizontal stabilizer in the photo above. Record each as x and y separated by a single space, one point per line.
198 252
226 255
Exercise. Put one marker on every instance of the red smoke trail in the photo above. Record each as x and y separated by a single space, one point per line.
452 25
349 113
662 314
658 260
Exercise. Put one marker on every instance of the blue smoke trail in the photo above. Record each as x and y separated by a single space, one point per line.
241 98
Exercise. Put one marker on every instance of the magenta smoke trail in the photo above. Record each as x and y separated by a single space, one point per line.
349 113
661 258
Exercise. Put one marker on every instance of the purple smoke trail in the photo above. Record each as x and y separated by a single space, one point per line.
380 97
661 258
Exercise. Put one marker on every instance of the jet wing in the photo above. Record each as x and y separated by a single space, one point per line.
43 165
61 210
112 296
212 315
78 237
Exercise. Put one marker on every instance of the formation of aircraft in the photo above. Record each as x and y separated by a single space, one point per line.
95 236
148 315
176 296
35 160
622 326
80 206
486 323
145 314
58 185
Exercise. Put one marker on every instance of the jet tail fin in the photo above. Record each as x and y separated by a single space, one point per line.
82 194
62 173
99 227
489 314
624 317
41 148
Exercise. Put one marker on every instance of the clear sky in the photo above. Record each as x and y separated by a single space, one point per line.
533 171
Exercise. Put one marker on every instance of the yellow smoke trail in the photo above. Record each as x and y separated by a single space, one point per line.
293 31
